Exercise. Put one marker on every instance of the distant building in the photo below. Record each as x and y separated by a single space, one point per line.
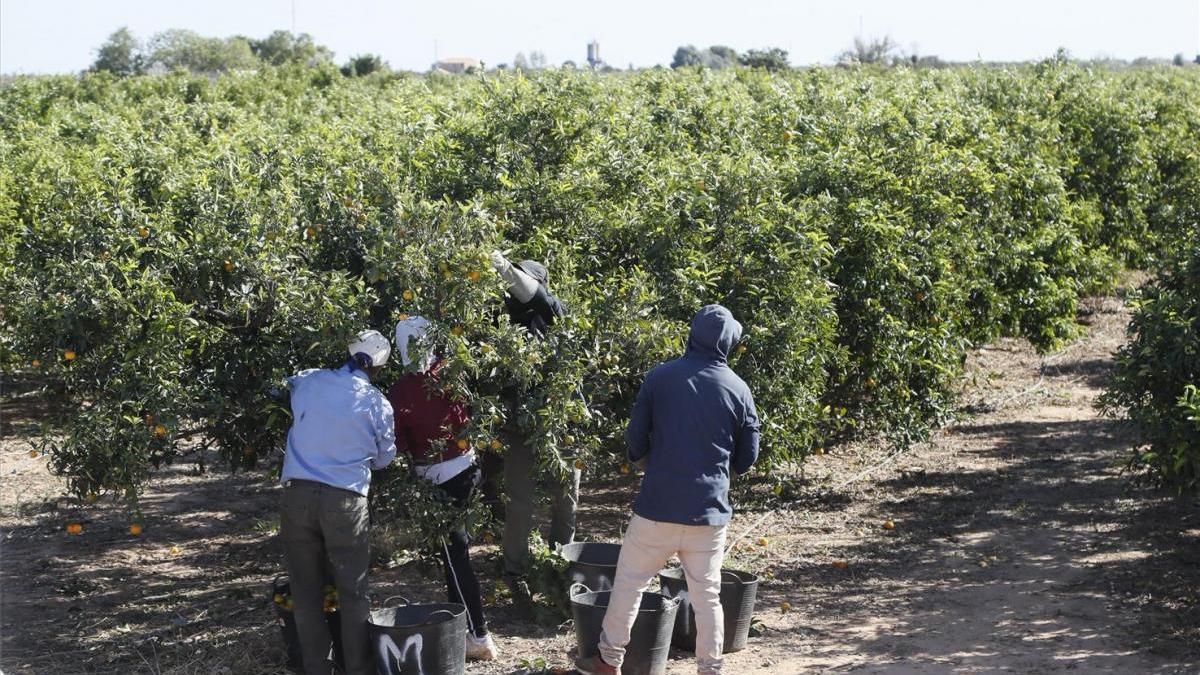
593 51
456 64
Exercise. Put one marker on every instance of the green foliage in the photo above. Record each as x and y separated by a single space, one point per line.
186 50
773 59
283 47
191 241
364 64
1159 370
119 54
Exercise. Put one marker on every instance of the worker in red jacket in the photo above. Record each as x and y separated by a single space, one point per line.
429 422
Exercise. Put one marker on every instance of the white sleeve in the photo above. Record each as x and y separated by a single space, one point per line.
520 285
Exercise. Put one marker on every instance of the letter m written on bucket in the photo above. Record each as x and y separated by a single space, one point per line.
393 659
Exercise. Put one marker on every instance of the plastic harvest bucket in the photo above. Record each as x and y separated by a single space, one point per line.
738 593
650 638
287 627
593 565
419 639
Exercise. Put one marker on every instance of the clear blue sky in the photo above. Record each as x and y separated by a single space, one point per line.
48 36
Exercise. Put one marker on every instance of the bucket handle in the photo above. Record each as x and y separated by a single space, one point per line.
401 598
429 619
571 593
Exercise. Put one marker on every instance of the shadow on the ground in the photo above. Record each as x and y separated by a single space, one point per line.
963 554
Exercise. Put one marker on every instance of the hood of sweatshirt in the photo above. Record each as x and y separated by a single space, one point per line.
714 333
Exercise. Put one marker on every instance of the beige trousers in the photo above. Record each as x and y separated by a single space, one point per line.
647 547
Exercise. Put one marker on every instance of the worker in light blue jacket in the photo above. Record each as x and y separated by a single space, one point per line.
693 426
342 428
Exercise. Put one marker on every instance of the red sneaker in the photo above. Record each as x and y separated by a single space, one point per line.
594 665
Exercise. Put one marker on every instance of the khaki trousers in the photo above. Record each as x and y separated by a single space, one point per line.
647 547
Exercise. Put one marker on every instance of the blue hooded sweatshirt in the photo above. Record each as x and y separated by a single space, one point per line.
694 421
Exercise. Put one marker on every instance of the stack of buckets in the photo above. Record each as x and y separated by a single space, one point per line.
663 619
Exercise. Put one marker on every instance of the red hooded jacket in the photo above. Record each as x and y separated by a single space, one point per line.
424 414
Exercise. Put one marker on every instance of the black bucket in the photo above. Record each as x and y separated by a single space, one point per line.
649 639
738 593
419 639
592 565
281 593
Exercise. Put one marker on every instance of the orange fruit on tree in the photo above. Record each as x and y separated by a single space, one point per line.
160 431
74 528
401 317
408 295
889 524
463 444
144 232
228 266
473 275
579 464
135 529
625 469
496 444
36 362
69 355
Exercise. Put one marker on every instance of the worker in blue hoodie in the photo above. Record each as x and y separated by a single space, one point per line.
692 428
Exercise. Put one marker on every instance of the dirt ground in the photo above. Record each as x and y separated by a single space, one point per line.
1019 546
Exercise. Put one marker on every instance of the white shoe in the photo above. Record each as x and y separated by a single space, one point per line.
481 649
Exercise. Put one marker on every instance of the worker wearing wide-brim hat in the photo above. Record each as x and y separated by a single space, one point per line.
342 428
530 304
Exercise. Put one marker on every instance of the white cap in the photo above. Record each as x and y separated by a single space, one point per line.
414 328
373 345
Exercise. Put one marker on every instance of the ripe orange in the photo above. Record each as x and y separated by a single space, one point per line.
160 431
889 524
228 266
625 469
496 444
35 363
785 607
401 317
74 528
408 295
579 464
741 349
310 232
144 232
69 355
463 444
135 530
920 296
473 275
